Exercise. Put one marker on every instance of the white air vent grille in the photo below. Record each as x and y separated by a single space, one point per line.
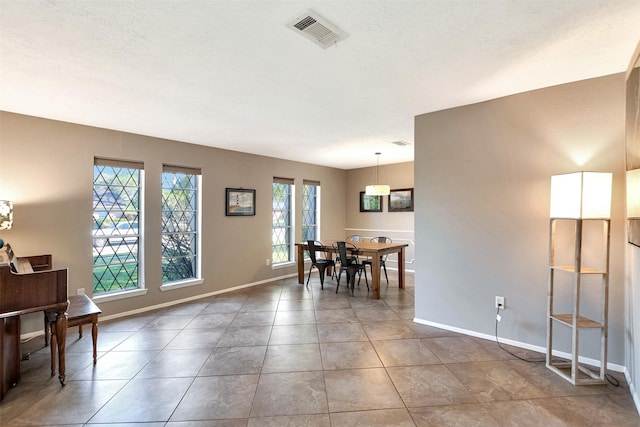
401 143
317 29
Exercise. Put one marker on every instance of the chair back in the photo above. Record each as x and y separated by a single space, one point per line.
342 252
354 238
382 239
311 244
343 247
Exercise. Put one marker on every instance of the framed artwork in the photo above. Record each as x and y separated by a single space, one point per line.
401 200
370 203
240 202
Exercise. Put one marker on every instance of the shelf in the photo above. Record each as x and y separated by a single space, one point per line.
583 270
572 370
583 322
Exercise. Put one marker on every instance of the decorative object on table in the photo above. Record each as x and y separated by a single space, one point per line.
377 189
580 205
370 203
401 200
240 202
6 217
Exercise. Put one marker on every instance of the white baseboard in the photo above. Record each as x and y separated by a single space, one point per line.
632 390
543 350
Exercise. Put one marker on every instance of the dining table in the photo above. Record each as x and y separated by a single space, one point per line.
375 250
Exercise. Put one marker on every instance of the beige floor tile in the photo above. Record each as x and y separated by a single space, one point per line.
155 400
292 358
465 415
361 390
494 380
292 393
429 385
405 352
349 355
291 421
378 418
217 397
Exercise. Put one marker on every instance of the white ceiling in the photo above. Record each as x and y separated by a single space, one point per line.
230 74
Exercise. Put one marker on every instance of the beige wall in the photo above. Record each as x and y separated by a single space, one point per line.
482 203
46 169
396 225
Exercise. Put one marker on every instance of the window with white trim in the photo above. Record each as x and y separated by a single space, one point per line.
180 224
310 210
282 224
117 226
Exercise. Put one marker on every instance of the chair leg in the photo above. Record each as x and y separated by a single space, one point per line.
321 269
384 267
46 331
351 274
309 276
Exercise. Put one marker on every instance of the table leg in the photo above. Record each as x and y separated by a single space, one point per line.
301 264
61 338
94 337
50 331
401 268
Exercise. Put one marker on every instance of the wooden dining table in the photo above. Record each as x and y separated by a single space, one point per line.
375 250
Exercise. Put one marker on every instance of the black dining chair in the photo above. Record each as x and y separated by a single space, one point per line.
351 266
383 258
350 239
321 264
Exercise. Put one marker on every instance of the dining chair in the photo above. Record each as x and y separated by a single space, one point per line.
351 266
383 258
321 264
350 239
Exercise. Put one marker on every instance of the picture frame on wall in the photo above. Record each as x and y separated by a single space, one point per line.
401 200
240 202
370 203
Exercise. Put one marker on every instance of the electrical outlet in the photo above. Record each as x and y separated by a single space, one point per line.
267 262
80 291
500 303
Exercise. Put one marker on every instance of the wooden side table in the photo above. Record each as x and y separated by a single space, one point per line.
81 311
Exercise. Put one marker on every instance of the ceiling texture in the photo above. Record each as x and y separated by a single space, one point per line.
231 74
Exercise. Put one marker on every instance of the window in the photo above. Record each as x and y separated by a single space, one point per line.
310 211
282 226
117 209
180 224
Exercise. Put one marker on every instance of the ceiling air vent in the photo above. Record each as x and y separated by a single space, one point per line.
317 29
401 143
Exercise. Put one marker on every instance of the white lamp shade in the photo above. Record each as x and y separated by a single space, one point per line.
633 193
6 215
581 195
377 190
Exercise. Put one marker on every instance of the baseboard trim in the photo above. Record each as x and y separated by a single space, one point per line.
543 350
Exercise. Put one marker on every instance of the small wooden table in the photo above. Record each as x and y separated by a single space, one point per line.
81 311
373 249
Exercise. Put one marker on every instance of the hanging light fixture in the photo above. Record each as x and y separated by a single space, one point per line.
377 189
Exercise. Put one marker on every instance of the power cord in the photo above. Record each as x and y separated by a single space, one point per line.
513 354
610 378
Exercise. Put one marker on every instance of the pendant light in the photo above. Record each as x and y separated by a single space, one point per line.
377 189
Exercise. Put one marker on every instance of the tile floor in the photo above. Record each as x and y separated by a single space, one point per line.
282 354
